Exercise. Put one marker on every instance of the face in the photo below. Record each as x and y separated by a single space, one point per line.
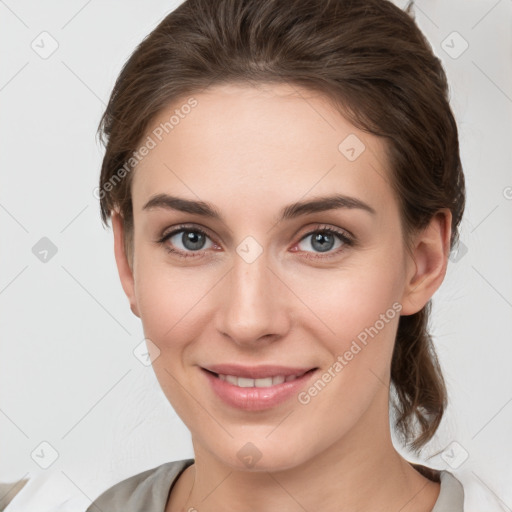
252 282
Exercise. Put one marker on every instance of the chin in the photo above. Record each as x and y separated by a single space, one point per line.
259 456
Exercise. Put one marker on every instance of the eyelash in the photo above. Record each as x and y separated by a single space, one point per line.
347 241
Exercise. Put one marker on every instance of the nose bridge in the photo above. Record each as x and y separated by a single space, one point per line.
252 305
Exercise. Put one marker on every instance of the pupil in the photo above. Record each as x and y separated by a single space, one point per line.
192 240
320 240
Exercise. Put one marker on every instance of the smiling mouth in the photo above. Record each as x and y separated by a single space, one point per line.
266 382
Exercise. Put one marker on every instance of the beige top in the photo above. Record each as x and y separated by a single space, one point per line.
149 491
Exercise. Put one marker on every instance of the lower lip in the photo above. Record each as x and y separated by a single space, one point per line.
256 399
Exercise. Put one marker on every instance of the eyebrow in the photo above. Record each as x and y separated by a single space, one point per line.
319 204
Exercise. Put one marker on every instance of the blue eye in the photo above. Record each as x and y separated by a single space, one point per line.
323 240
192 240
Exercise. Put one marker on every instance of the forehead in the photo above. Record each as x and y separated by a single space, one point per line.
267 142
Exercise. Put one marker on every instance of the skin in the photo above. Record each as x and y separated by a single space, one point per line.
250 152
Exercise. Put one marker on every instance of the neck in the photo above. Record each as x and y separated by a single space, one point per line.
362 471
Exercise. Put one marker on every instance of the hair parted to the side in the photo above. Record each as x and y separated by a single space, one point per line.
372 61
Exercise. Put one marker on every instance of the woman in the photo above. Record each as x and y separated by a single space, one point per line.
284 184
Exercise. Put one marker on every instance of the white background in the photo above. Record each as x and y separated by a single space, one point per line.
68 375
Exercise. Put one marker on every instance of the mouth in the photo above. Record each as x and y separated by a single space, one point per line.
257 388
262 382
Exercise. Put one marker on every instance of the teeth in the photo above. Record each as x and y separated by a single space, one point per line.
244 382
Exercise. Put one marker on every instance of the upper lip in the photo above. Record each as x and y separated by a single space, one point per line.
256 372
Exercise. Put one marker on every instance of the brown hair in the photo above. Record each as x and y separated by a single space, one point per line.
373 62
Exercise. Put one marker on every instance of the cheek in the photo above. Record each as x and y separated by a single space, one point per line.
169 301
345 301
354 314
166 300
176 303
359 313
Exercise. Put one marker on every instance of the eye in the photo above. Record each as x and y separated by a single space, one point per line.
324 240
185 240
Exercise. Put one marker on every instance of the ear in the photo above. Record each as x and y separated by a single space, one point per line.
123 266
426 270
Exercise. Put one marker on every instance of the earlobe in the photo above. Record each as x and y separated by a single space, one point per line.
123 266
428 267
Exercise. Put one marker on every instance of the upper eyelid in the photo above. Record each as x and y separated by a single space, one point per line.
179 229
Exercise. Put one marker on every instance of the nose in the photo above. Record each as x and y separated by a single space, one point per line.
255 306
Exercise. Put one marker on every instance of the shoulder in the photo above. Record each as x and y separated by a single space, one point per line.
146 491
451 495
